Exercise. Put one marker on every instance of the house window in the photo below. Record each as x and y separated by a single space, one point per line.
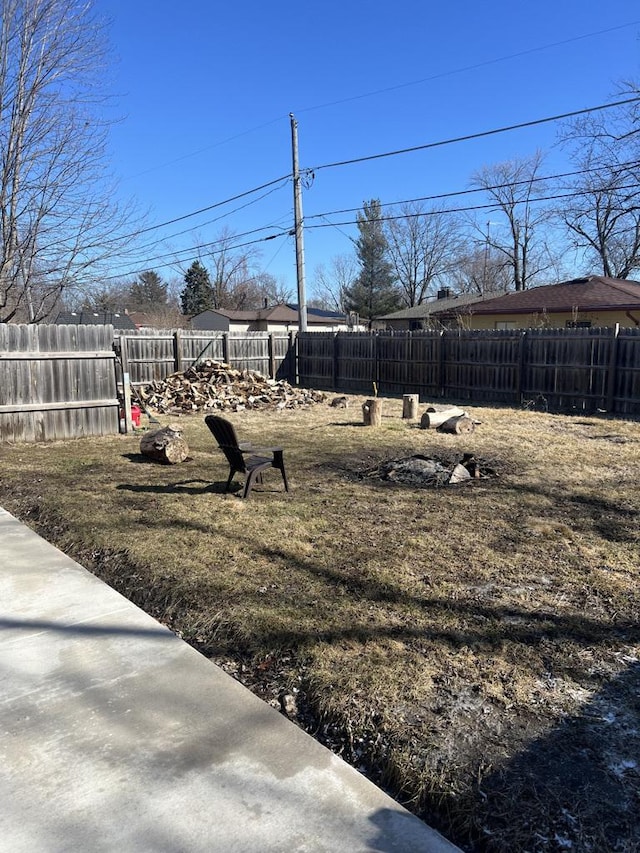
505 324
578 324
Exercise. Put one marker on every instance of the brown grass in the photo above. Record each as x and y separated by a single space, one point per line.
474 648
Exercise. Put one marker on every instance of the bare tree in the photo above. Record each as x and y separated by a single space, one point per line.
232 273
480 270
57 221
421 246
514 186
603 217
330 284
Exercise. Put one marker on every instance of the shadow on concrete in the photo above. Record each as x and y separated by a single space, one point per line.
86 629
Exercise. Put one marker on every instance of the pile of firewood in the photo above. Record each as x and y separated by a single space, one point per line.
215 386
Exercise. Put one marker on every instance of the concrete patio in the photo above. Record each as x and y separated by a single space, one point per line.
118 736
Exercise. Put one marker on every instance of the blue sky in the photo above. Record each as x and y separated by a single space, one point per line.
205 90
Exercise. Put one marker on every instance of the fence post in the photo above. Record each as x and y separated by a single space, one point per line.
336 361
613 363
376 377
177 350
225 347
293 360
271 357
440 365
521 347
124 356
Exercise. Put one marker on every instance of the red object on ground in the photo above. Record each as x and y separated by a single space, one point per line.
136 414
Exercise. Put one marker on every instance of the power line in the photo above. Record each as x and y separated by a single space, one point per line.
479 135
201 210
484 64
178 262
489 206
455 193
200 246
210 221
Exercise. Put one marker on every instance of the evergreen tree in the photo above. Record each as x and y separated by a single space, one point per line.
148 291
373 293
197 294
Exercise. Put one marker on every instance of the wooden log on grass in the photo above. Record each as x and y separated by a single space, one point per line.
410 406
165 445
372 412
457 425
432 419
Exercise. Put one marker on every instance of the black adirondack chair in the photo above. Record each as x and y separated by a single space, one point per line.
242 457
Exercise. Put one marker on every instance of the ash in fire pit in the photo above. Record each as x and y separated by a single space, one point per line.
423 472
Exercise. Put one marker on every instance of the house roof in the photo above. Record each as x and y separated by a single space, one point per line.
95 318
278 314
585 294
436 306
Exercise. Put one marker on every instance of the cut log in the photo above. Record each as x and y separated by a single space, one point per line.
432 419
458 425
165 445
410 406
460 474
372 412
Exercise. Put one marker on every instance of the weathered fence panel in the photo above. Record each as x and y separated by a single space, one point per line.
482 366
625 384
60 382
567 369
356 368
56 382
150 354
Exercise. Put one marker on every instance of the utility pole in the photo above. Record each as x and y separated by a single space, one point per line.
299 234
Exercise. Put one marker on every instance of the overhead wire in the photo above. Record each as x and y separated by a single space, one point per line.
483 64
480 135
354 161
209 221
489 206
473 190
209 207
177 262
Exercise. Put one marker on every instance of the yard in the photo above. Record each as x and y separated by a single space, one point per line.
474 649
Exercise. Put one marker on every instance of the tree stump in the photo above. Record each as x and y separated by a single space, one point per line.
372 412
410 406
165 445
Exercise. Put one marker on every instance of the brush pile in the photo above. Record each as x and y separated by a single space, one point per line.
216 386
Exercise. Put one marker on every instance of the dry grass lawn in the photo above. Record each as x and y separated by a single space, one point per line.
475 648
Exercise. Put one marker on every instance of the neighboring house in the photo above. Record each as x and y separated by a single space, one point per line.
276 318
446 312
95 318
593 301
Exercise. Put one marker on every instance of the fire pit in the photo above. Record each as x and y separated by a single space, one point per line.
423 472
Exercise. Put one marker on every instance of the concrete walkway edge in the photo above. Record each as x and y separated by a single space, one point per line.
115 735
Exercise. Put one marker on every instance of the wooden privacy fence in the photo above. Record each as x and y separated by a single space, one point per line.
562 369
61 382
56 382
147 355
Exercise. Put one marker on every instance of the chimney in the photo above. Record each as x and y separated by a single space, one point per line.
265 303
444 293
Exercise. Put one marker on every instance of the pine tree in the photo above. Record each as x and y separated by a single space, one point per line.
373 293
149 291
197 294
